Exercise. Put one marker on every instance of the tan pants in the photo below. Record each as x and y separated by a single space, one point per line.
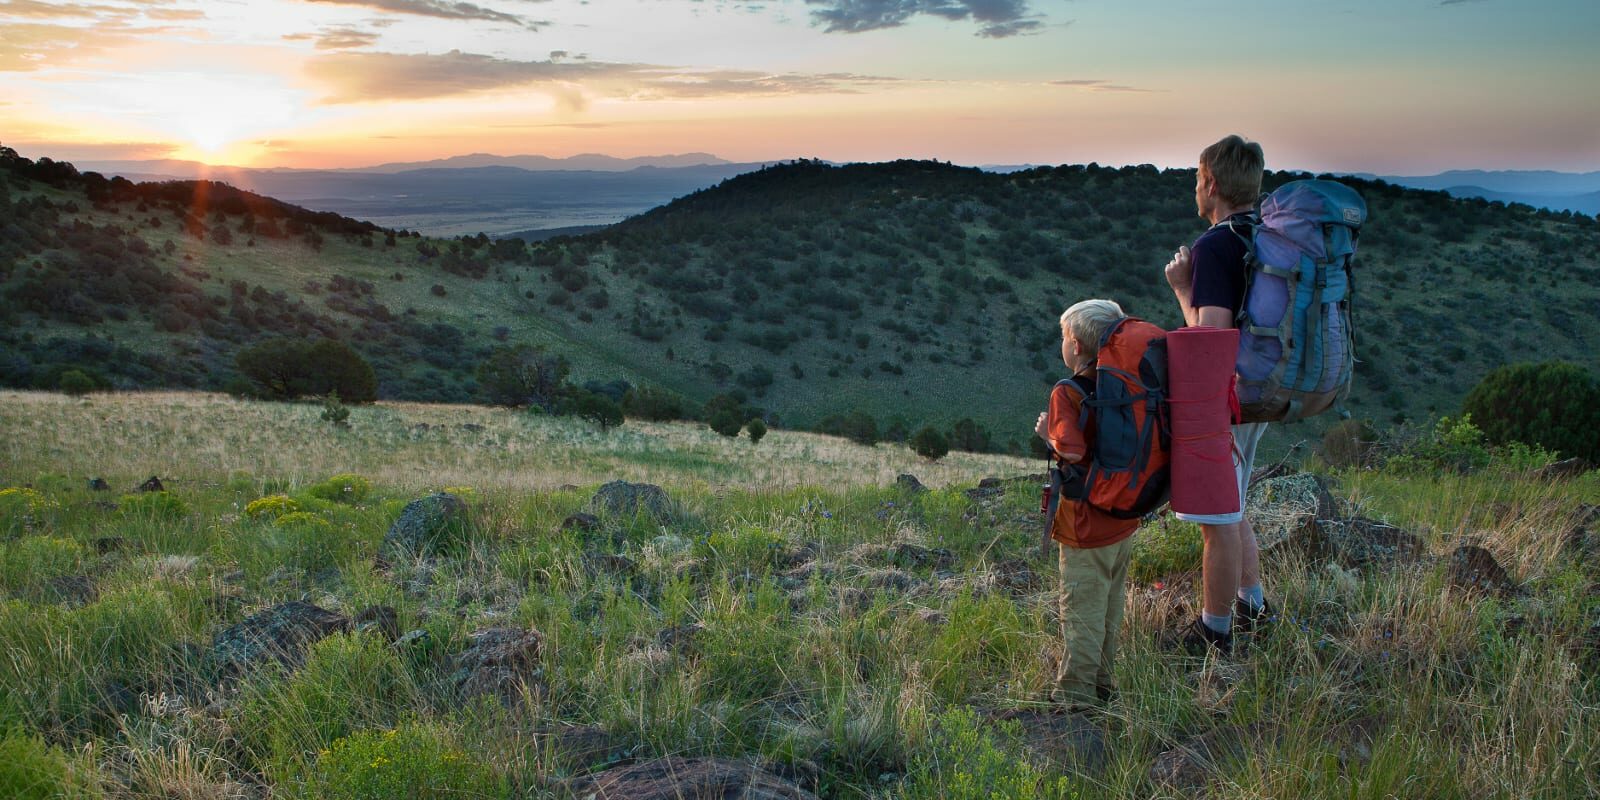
1090 605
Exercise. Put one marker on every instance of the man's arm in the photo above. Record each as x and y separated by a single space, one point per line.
1180 276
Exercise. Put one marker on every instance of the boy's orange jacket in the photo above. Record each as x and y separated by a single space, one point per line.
1078 524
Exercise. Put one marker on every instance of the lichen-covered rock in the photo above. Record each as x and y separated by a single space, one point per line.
501 662
1357 542
621 498
281 633
907 482
674 778
1287 506
1475 569
581 522
425 526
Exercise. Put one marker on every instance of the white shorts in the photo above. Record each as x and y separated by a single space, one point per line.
1245 439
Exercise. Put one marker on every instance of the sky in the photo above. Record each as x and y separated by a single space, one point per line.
1407 87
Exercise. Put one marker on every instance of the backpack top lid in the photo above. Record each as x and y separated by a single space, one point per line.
1125 343
1319 201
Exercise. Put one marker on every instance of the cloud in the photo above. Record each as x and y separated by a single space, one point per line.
443 9
369 77
999 18
1100 85
337 38
28 47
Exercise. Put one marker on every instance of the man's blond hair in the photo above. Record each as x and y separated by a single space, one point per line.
1235 164
1088 322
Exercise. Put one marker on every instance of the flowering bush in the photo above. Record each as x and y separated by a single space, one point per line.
303 521
342 488
271 507
413 760
21 508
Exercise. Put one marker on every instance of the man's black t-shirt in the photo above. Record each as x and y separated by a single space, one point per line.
1218 259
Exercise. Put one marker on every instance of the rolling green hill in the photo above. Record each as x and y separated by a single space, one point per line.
911 290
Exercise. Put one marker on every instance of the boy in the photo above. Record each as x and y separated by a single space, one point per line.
1094 546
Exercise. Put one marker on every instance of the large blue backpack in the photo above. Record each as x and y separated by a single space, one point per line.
1296 336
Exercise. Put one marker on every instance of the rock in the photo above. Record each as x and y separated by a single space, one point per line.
1562 470
471 427
1016 576
909 483
71 590
1473 568
680 635
410 639
891 579
281 633
607 562
109 544
931 616
1575 541
1285 506
1061 738
424 525
152 485
581 522
99 485
1214 686
621 498
911 556
674 778
585 747
1586 514
984 494
383 619
1357 543
501 662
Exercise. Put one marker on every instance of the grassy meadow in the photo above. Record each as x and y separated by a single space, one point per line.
796 610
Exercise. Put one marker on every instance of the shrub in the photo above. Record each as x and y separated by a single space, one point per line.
757 429
286 368
1453 445
22 508
342 488
970 436
930 443
523 375
596 408
412 760
33 770
858 426
1554 405
334 412
153 505
1348 444
726 422
271 507
74 382
653 403
962 761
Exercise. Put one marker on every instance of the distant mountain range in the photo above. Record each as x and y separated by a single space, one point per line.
532 196
1557 191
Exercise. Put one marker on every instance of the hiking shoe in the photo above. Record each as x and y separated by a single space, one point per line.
1258 621
1197 639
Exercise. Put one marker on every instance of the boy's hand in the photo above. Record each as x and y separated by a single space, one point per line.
1180 271
1042 427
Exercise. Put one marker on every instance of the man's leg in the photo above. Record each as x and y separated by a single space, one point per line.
1220 569
1249 556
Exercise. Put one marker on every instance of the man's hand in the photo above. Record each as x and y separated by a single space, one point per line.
1180 271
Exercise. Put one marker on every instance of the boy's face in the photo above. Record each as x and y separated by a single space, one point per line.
1069 350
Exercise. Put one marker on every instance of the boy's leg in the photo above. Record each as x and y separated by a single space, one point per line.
1116 600
1081 605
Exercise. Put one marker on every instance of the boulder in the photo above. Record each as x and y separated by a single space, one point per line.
580 522
908 483
152 485
912 556
1475 569
1284 506
384 620
674 778
500 662
99 485
1017 577
281 633
425 526
1562 470
1357 543
621 498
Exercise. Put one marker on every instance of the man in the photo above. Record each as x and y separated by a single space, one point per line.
1209 282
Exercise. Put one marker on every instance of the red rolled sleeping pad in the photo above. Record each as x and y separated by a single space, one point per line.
1200 365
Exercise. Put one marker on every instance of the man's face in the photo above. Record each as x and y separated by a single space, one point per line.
1202 192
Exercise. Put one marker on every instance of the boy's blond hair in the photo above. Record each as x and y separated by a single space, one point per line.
1088 322
1235 164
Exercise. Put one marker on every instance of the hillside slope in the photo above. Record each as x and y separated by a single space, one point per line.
914 291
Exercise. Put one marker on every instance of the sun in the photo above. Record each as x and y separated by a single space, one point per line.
210 116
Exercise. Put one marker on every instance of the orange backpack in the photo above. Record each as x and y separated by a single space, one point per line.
1125 422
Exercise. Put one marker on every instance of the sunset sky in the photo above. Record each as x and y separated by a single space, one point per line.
1387 86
